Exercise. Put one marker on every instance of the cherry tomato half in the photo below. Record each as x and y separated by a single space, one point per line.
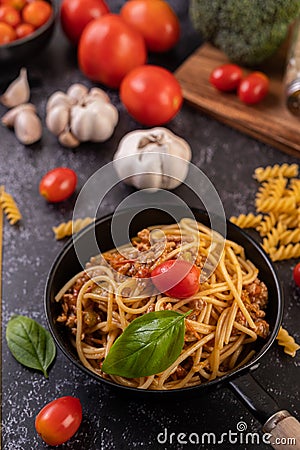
76 14
155 20
165 278
151 95
296 274
59 420
37 13
58 184
253 88
109 48
226 77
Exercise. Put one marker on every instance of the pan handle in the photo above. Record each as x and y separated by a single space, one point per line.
282 427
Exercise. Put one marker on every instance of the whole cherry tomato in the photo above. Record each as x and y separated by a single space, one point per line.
59 420
17 4
58 184
253 88
9 15
109 48
76 14
24 29
177 278
151 94
37 13
226 77
156 21
7 33
296 274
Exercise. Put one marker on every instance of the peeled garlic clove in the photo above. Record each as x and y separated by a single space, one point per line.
28 127
67 139
18 91
59 98
57 119
96 94
9 118
77 92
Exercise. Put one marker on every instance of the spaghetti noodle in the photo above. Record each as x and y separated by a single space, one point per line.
227 313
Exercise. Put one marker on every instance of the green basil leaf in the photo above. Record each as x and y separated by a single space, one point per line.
30 343
149 345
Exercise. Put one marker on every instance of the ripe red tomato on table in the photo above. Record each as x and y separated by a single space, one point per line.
151 95
253 88
177 278
155 20
226 77
109 48
58 184
76 14
296 274
59 420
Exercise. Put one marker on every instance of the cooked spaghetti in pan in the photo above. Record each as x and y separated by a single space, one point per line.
222 319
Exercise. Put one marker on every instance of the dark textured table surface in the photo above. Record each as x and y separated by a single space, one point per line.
228 158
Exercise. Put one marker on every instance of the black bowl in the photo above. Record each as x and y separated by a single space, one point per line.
22 50
67 265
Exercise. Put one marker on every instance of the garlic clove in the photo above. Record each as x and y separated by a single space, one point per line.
18 91
9 118
57 119
28 127
96 94
81 124
77 92
67 139
59 98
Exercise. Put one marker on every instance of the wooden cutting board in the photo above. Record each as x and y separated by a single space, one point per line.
269 121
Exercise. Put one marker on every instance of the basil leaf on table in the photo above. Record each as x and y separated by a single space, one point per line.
149 345
30 343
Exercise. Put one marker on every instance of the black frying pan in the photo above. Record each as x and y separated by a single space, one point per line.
261 404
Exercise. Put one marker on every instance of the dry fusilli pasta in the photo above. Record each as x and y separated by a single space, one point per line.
288 342
71 227
9 206
284 170
246 220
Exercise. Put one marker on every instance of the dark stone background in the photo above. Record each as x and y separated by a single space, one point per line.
228 158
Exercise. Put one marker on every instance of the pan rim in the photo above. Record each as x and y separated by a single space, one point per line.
249 366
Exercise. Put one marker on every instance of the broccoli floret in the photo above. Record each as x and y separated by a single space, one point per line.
247 31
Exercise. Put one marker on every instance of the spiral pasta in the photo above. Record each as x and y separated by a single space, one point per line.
284 170
247 220
278 202
71 227
288 342
10 207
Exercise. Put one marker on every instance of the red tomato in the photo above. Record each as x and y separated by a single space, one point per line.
59 420
226 77
296 274
37 13
9 15
253 88
151 94
155 20
7 33
24 29
76 14
165 278
58 184
17 4
109 48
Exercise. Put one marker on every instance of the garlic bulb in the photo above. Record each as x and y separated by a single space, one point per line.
26 123
81 115
155 158
18 91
